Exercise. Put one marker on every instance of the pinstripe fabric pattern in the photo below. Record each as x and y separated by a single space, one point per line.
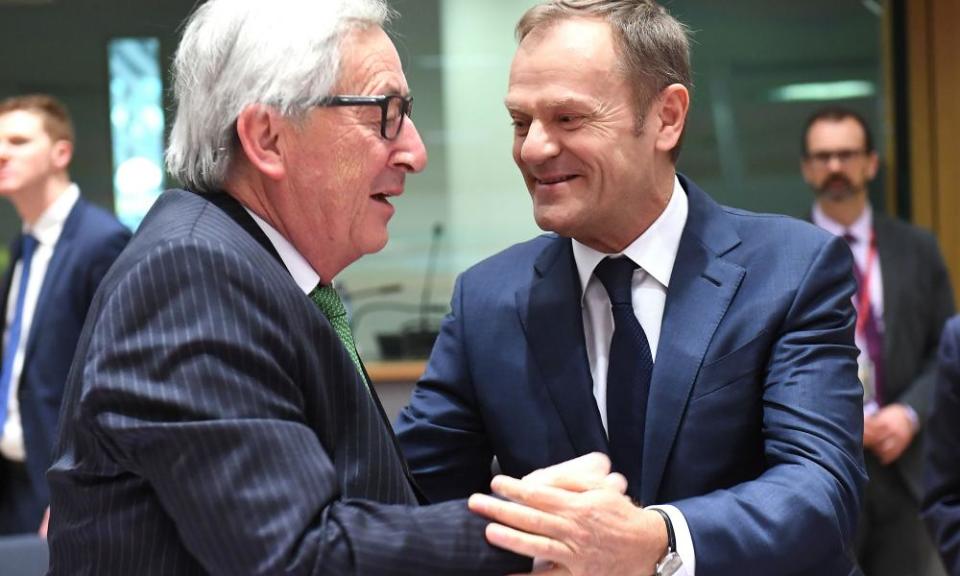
214 424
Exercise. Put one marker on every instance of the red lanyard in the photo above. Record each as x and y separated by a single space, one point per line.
863 296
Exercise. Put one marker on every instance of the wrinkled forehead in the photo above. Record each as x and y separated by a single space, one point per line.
370 64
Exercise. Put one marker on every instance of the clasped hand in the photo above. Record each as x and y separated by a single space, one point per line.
575 518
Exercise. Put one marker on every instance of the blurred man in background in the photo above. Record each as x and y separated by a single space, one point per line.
63 251
903 300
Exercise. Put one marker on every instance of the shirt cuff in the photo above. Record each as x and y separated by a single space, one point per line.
684 540
912 415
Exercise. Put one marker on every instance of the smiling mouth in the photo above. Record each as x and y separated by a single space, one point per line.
555 180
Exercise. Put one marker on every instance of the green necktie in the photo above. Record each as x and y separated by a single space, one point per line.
327 299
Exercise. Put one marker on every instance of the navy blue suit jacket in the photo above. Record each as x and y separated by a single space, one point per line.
89 243
214 424
941 504
754 420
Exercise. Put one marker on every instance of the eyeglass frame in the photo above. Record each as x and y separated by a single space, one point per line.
383 101
843 156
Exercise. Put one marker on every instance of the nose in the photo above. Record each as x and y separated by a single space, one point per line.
410 154
834 164
538 145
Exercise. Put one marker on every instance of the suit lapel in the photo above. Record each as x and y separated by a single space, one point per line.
5 295
701 288
892 283
62 252
551 316
388 430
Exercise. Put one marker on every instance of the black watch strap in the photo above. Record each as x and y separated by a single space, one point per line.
671 562
671 536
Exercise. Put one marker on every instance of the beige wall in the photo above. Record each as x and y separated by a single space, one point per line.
934 85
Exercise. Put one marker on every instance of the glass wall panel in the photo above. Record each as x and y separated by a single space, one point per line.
136 126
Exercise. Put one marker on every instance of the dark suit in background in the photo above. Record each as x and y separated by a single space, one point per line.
754 417
917 301
89 243
941 505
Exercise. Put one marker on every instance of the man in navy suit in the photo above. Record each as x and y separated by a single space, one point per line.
63 251
941 501
709 351
218 419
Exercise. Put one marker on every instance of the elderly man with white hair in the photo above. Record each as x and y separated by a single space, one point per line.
218 419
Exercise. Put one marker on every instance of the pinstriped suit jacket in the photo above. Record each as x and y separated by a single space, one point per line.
213 423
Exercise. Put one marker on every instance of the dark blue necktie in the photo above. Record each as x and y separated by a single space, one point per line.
628 375
27 245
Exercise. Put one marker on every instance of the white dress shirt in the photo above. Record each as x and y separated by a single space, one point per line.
654 252
47 231
303 274
861 230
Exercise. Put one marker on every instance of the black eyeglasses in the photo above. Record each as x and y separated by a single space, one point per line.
393 109
844 156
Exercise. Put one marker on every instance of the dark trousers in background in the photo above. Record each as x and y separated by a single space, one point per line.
892 540
20 509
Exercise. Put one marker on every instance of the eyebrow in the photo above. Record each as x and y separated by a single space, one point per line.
392 89
562 102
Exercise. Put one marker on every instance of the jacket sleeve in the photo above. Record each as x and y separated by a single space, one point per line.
802 510
441 432
941 503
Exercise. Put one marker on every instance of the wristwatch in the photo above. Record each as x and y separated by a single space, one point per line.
671 562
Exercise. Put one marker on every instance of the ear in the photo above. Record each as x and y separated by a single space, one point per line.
62 153
672 106
258 128
807 170
873 164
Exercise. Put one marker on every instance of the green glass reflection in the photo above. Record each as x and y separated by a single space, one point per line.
136 124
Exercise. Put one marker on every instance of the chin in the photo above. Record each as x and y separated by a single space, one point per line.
549 224
373 244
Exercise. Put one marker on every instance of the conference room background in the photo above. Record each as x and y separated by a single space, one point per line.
760 67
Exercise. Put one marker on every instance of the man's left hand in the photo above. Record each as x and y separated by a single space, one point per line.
891 430
44 523
597 531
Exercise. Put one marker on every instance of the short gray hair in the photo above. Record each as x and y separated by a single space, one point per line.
654 47
281 53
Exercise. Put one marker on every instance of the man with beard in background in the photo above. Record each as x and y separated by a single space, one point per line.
903 300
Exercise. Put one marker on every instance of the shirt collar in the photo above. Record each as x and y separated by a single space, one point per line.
861 228
655 250
49 225
303 274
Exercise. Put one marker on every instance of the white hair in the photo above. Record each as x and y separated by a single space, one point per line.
281 53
